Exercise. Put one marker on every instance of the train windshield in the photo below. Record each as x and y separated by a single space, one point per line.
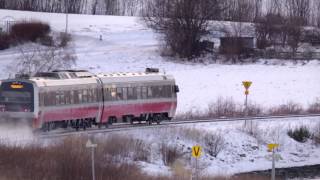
16 97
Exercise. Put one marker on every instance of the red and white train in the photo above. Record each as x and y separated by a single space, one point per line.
80 99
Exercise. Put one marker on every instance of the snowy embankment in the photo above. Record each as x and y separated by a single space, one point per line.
240 151
129 46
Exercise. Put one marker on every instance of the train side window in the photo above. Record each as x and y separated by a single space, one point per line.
57 98
94 95
62 99
52 98
108 94
124 93
84 96
139 93
119 94
90 95
80 95
71 97
150 94
132 93
76 96
155 91
144 92
67 97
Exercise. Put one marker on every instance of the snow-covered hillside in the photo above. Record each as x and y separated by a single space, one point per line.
128 45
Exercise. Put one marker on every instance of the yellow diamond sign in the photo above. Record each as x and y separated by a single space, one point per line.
196 151
272 146
246 84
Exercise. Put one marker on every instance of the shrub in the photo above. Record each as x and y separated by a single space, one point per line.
300 134
289 108
169 154
316 135
68 159
214 143
4 41
224 107
251 128
29 31
314 107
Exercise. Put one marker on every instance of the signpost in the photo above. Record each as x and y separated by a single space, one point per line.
196 153
271 148
246 85
92 146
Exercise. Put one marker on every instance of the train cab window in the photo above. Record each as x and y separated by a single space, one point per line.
144 92
119 94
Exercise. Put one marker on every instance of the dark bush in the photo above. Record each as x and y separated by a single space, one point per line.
46 41
300 134
29 31
64 39
5 41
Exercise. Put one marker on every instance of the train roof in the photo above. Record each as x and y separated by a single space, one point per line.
80 77
134 77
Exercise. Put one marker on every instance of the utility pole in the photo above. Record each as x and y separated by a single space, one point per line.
89 144
273 173
67 18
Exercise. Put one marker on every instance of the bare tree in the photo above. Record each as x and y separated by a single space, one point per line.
182 22
37 58
275 7
299 9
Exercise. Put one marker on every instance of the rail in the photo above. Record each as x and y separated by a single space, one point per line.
128 127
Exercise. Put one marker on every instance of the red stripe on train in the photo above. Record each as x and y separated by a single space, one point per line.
109 110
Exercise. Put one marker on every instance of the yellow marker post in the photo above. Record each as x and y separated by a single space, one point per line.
196 153
271 148
246 85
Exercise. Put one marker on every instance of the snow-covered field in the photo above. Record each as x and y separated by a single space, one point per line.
127 45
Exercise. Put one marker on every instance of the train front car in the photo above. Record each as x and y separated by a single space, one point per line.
17 101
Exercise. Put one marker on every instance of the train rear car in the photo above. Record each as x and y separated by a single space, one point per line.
147 96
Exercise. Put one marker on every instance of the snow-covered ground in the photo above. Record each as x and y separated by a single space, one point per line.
127 45
241 152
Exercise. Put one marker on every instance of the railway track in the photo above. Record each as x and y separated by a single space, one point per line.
128 127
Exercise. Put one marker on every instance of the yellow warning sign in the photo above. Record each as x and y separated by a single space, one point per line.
272 146
196 151
246 84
